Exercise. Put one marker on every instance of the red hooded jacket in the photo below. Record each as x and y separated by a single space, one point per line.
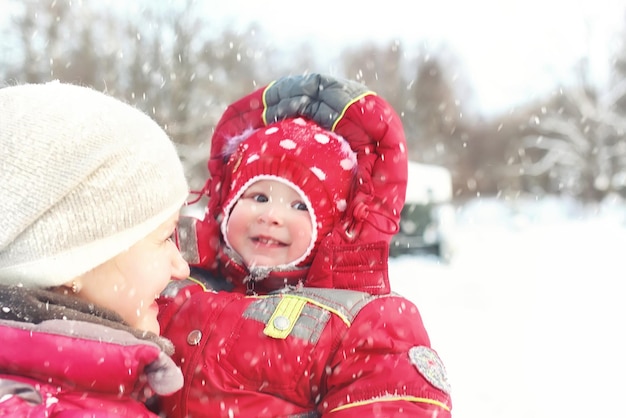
342 344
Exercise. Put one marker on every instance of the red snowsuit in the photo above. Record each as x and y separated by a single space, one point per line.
343 344
302 353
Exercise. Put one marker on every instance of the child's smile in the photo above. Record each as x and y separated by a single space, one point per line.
263 241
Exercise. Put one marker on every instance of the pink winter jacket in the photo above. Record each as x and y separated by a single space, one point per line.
64 368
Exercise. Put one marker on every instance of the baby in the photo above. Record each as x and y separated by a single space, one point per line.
298 223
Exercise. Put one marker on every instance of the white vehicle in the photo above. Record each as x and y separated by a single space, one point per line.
428 217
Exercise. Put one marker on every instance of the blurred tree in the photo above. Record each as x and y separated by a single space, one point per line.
177 65
573 142
577 143
419 90
380 68
436 112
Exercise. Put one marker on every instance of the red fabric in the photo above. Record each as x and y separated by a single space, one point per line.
75 377
374 131
235 370
350 266
245 113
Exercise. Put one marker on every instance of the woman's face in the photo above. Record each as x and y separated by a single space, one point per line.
130 282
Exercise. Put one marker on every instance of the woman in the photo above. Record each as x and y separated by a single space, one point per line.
90 190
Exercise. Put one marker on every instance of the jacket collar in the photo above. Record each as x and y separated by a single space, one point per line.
260 280
33 305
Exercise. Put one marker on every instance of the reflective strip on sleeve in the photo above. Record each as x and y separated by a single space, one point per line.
414 399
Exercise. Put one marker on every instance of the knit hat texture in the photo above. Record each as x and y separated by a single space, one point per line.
317 163
83 177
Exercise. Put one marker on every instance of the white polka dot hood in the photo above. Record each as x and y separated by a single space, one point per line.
317 163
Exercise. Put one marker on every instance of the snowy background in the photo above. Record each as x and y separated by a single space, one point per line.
528 315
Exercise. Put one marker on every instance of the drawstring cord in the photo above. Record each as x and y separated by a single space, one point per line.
202 192
361 213
194 200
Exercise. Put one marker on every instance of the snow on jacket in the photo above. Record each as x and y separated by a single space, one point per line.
64 358
307 352
355 254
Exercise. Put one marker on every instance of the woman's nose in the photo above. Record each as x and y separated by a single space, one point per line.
180 268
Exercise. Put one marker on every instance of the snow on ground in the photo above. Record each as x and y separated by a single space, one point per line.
528 315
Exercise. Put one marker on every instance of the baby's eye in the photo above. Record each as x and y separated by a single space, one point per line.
300 206
260 198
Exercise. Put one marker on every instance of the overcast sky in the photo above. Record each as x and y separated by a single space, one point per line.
512 50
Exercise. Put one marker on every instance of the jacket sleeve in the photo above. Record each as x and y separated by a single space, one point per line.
384 366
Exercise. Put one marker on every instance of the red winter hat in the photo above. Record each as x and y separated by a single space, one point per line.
317 163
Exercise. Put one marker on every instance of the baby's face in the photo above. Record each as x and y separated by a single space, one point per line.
269 225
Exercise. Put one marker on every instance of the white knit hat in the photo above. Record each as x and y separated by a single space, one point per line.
83 177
